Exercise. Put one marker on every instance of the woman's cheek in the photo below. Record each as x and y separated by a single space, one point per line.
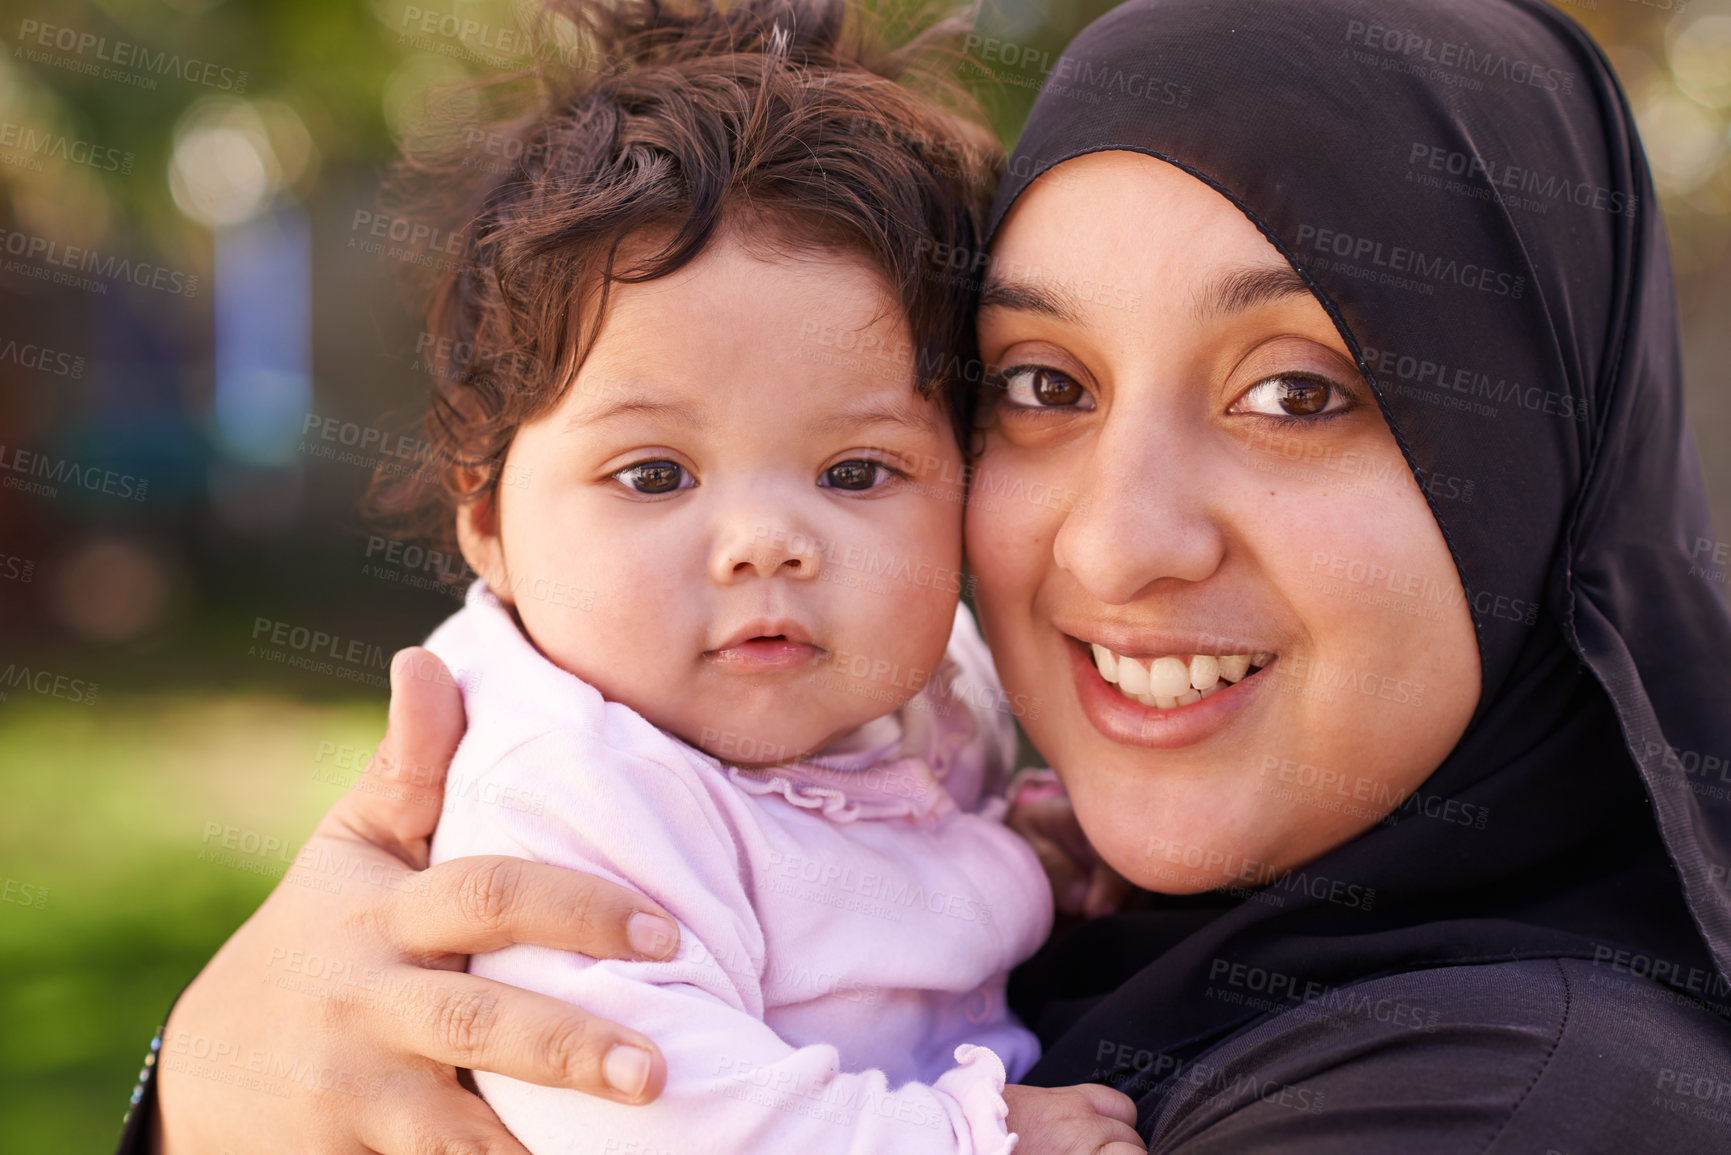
1390 676
1379 585
1015 505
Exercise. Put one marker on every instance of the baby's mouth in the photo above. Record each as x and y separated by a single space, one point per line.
1167 681
766 648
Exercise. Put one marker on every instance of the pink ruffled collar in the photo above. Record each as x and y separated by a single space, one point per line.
893 767
904 787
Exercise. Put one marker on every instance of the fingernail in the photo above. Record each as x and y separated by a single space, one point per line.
626 1069
650 935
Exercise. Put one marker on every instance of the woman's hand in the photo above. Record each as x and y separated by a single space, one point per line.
1082 883
1086 1119
336 1017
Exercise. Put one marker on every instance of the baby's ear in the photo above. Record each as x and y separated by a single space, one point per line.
478 538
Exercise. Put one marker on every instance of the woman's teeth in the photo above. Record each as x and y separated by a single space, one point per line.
1171 681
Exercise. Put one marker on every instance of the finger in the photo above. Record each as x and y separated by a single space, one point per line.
459 1020
489 902
440 1120
1119 1138
1067 830
1023 818
1054 819
395 804
1107 890
1069 885
1109 1103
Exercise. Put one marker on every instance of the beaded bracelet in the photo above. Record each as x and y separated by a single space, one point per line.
132 1138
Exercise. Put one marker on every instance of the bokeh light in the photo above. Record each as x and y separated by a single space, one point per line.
1700 53
1685 142
224 169
111 589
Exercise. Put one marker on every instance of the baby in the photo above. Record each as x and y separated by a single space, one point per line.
715 652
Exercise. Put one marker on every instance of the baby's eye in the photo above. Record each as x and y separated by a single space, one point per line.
855 474
655 477
1293 395
1038 387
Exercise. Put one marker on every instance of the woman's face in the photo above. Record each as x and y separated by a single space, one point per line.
1183 464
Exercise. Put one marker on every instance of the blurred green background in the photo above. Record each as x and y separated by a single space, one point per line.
190 519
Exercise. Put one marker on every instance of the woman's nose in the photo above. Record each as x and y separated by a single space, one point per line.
1147 513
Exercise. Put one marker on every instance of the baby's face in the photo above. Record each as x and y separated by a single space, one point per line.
742 520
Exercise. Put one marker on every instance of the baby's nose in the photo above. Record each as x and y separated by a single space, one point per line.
796 567
768 551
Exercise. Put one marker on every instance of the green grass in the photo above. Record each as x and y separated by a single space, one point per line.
105 813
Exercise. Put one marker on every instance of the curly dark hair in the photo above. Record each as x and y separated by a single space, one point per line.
665 121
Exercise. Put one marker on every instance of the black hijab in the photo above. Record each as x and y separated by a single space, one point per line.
1461 185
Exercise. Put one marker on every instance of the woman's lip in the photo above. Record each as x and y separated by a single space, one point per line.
765 655
1133 724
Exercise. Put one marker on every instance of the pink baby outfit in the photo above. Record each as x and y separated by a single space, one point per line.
846 924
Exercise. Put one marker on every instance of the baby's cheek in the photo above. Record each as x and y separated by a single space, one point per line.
905 622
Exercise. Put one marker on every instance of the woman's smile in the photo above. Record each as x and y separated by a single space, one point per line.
1168 681
1160 721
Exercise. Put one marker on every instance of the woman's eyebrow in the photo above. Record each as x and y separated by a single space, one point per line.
1026 297
1233 292
1246 288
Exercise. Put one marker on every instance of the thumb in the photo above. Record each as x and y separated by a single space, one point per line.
395 804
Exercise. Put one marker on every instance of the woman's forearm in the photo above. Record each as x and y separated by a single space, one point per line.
337 1016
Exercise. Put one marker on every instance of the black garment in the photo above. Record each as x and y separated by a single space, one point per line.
1461 185
1502 1058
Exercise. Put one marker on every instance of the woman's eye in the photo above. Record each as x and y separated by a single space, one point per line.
1036 387
1293 396
656 477
857 474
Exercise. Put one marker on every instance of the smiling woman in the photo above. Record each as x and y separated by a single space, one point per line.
1195 549
1422 460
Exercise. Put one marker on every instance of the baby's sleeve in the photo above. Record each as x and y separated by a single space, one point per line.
734 1087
